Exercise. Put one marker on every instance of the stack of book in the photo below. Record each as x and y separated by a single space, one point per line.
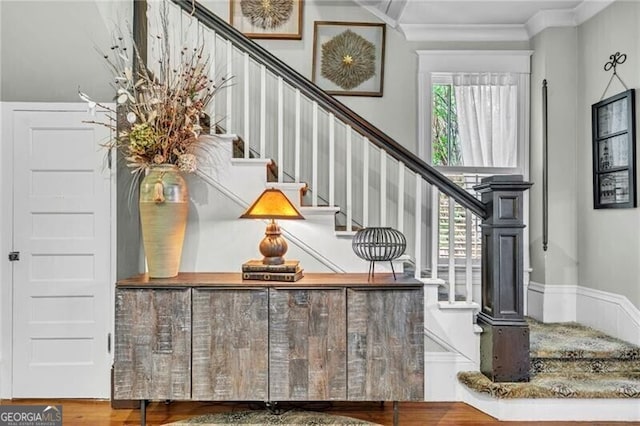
255 270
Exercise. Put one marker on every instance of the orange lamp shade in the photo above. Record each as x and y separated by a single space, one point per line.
272 204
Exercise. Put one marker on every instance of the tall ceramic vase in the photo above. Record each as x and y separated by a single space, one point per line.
164 204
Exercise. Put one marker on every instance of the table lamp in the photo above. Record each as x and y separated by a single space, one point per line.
272 204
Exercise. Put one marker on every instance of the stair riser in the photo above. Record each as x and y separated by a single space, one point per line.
595 366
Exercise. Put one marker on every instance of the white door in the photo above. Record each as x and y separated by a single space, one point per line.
62 282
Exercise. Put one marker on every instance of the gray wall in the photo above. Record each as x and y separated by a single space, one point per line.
48 48
554 59
608 239
598 249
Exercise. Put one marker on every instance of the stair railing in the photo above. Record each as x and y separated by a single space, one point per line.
321 99
363 170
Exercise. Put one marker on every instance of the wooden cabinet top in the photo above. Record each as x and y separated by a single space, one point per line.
229 279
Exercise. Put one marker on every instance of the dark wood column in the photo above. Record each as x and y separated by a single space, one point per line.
504 344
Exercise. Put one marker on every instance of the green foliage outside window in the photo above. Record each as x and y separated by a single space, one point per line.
445 143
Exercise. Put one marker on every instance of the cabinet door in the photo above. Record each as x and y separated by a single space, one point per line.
152 344
230 335
307 355
385 344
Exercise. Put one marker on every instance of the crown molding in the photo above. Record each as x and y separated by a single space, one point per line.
501 32
588 9
455 32
550 18
565 17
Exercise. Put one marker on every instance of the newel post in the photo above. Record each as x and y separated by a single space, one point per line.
504 343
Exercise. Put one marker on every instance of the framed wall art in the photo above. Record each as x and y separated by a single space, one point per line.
348 58
280 19
614 152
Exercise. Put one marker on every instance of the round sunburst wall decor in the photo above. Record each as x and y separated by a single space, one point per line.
267 14
348 60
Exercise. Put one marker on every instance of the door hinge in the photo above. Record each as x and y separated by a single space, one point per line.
109 343
14 256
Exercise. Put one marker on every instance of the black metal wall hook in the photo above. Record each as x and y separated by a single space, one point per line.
615 60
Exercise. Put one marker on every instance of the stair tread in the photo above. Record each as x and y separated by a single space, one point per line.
571 341
550 385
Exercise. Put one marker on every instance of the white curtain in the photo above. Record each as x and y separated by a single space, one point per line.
487 110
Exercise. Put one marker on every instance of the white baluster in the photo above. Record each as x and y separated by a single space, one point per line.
190 33
296 166
213 73
418 224
349 201
247 115
229 89
452 250
365 182
207 37
263 111
175 37
383 188
435 230
332 160
469 256
202 41
314 156
400 225
280 130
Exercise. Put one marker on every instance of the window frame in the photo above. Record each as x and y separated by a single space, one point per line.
436 66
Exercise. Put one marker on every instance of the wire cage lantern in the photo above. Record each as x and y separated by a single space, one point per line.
377 244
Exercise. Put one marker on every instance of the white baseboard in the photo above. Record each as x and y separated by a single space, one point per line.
561 409
616 315
551 303
441 369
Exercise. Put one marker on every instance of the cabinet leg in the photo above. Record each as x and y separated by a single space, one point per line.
143 412
396 413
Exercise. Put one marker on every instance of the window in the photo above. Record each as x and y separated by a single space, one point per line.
473 123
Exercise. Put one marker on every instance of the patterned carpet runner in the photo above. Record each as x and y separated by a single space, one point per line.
569 360
265 417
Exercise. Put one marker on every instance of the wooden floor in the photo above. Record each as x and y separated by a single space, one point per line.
100 413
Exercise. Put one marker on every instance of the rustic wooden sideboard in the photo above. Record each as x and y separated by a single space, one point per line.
216 337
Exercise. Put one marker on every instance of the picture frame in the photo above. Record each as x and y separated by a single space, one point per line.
284 21
334 68
614 151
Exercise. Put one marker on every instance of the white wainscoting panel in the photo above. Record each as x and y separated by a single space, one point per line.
610 313
441 369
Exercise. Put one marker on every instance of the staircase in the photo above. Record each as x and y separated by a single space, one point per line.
341 171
